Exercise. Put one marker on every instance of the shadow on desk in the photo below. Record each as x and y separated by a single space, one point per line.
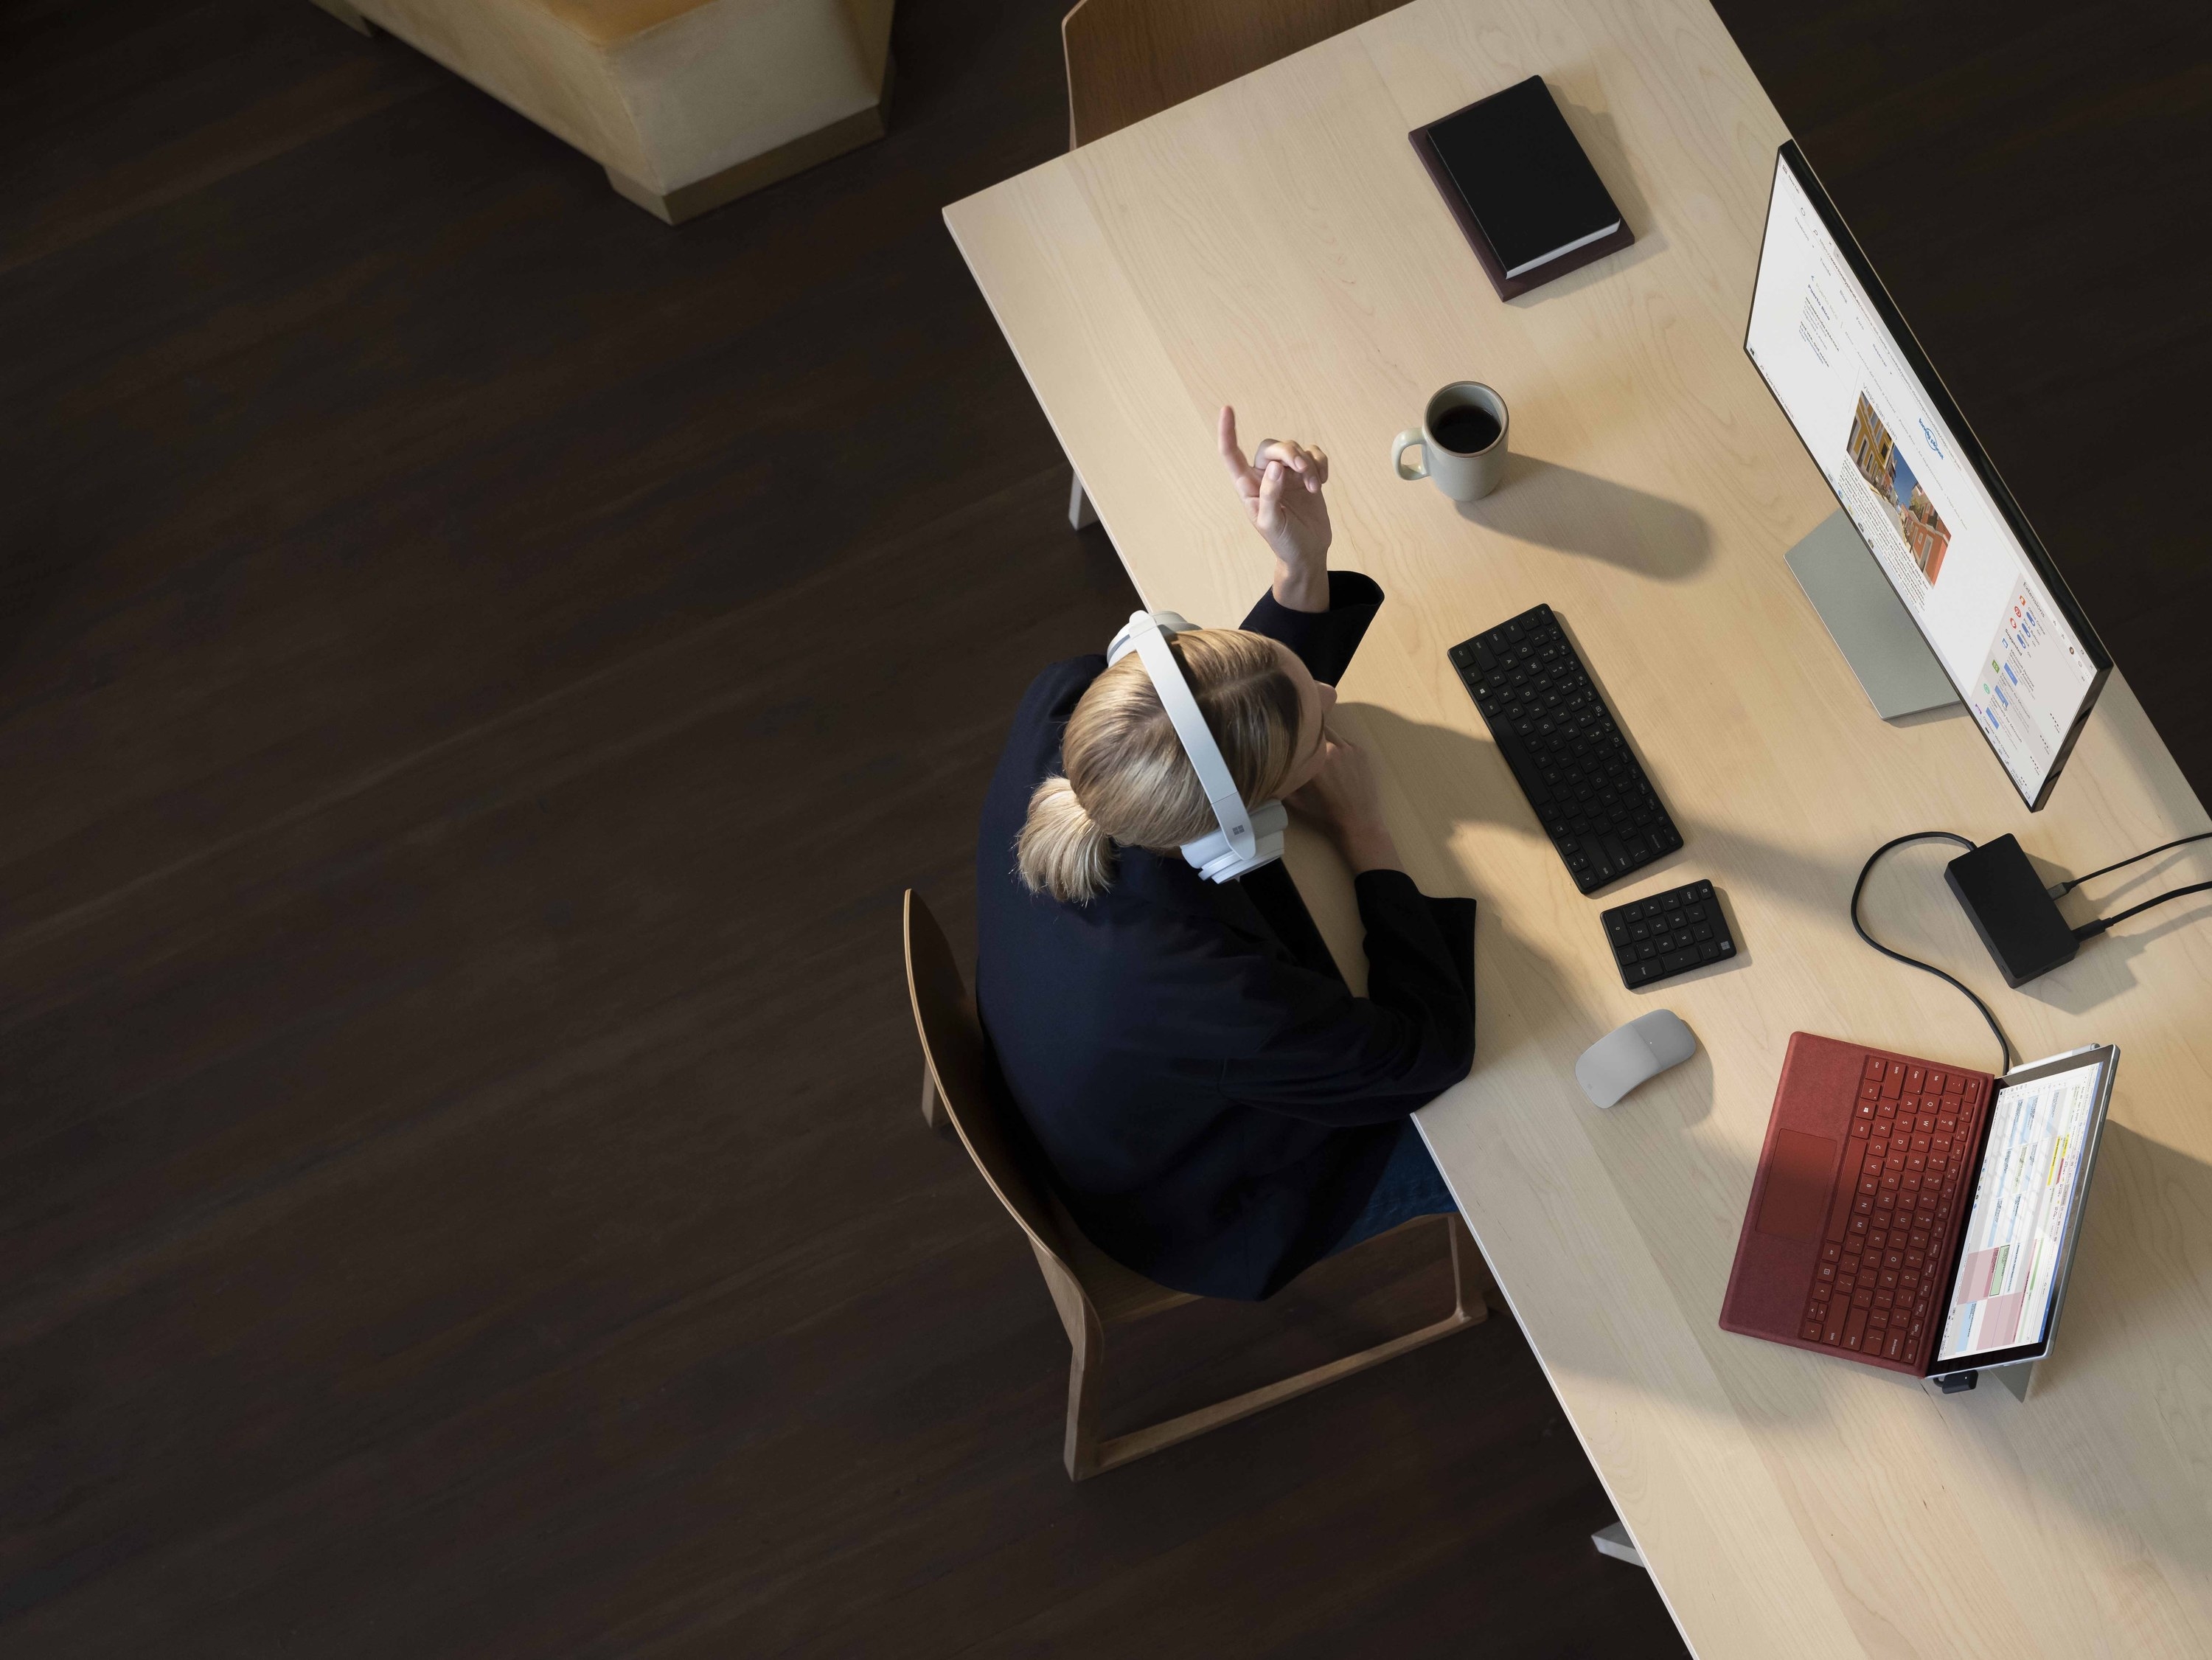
1550 505
1452 779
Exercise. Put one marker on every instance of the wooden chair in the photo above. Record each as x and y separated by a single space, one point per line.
1092 1292
1127 60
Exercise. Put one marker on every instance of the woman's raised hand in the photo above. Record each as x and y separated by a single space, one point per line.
1281 489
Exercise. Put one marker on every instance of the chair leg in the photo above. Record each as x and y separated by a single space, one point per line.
1471 1280
1086 1368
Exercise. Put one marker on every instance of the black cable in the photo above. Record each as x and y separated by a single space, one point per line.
2064 887
2091 930
2004 1043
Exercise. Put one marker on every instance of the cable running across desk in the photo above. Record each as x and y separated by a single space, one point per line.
2004 1043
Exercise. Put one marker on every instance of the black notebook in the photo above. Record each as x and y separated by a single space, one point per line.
1517 181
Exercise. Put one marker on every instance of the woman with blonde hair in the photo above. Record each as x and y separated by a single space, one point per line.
1215 1107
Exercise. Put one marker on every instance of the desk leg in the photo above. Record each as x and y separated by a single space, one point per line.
1614 1541
1081 513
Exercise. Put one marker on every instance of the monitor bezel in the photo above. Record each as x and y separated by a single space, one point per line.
1970 447
2106 1056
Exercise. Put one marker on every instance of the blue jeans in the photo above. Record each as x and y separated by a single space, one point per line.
1410 1186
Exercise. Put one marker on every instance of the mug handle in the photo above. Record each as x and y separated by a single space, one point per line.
1409 439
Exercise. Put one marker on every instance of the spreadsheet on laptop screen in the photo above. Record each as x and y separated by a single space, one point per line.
2016 1235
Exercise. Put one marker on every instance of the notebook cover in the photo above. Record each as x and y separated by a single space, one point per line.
1539 130
1814 1101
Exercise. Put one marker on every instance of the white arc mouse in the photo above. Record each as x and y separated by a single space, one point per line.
1625 1057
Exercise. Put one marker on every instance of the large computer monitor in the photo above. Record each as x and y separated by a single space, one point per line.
1917 489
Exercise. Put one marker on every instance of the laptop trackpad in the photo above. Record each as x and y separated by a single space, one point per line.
1801 1178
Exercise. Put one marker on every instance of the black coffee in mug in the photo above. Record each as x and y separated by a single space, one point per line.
1467 429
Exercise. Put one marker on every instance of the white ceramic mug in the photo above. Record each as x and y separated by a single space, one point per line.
1463 474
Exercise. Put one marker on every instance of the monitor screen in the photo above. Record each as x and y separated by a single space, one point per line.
2011 1256
1879 424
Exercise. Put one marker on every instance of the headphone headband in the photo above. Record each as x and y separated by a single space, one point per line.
1147 635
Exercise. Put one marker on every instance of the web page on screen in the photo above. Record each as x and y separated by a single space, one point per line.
1896 466
2015 1236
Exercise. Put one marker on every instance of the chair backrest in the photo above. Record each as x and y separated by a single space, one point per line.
1127 60
973 1094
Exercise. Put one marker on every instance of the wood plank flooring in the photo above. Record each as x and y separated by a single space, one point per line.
478 669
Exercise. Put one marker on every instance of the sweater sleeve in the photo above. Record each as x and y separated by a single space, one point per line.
1324 640
1344 1059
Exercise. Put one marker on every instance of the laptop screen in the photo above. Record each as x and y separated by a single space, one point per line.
2012 1256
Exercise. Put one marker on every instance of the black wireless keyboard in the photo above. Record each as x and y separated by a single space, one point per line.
1572 764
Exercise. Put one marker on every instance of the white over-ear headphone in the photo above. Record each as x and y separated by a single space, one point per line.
1247 839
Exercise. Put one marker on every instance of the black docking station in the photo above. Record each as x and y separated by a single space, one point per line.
2011 909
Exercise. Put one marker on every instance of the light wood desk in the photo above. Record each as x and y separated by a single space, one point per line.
1277 245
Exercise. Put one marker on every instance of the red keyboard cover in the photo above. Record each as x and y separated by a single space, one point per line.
1871 1276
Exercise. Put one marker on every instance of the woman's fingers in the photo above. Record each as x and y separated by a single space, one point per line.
1311 465
1239 469
1271 490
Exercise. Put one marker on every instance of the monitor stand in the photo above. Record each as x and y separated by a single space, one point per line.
1868 622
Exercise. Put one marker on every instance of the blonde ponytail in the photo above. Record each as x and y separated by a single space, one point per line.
1061 850
1128 780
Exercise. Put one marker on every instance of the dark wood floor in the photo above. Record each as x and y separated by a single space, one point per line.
478 669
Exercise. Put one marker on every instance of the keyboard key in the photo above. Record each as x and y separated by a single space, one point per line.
1856 1330
1893 1348
1812 1332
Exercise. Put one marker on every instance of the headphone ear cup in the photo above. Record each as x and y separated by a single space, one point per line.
1213 858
